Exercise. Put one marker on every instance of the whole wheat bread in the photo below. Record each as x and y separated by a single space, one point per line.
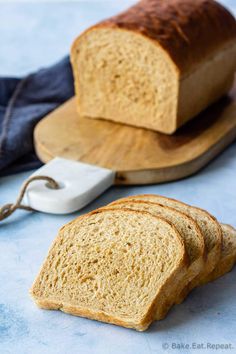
209 227
156 65
228 255
112 266
193 240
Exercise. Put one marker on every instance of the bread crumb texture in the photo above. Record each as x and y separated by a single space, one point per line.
129 262
111 262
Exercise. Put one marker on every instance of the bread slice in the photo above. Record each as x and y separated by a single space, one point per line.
192 238
209 227
112 266
228 255
157 65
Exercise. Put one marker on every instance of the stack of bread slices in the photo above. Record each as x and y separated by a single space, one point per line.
129 262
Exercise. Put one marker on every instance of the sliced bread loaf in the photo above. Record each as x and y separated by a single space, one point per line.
228 255
157 65
112 266
209 227
193 240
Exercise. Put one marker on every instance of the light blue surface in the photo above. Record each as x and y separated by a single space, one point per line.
28 40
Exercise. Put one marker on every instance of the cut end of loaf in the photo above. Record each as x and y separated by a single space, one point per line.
122 76
149 66
110 266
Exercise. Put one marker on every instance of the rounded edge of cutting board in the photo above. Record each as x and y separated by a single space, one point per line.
153 176
138 156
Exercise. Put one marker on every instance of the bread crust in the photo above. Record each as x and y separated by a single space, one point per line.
202 253
213 255
53 303
189 31
194 268
227 260
219 233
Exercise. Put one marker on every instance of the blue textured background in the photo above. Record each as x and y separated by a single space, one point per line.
33 35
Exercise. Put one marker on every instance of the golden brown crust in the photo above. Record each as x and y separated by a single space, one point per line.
222 268
53 304
213 255
202 248
218 235
227 260
180 240
188 30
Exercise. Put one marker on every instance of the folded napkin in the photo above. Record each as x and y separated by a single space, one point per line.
23 102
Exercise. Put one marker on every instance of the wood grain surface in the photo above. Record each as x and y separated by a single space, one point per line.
137 155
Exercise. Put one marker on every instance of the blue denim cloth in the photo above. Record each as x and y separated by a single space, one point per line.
23 102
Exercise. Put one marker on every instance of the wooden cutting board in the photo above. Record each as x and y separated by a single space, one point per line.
138 156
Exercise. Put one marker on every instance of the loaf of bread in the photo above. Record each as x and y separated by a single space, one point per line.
157 65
